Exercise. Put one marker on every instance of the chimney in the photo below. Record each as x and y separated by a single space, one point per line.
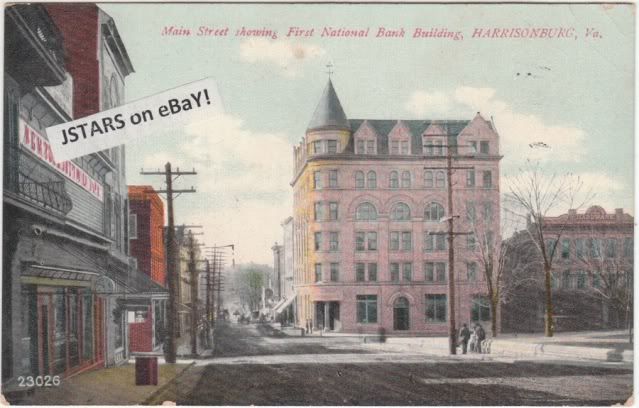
618 213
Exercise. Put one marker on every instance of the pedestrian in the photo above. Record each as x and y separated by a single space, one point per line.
473 340
464 335
481 336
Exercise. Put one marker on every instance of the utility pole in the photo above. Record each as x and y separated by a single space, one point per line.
194 302
171 254
218 263
452 324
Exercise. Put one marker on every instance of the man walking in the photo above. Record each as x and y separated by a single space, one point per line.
464 335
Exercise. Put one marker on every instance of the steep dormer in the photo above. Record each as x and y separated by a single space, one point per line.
365 139
434 140
399 139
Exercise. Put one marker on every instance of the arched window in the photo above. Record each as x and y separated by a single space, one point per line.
359 179
400 212
401 302
440 179
394 179
428 179
434 212
366 212
371 179
406 179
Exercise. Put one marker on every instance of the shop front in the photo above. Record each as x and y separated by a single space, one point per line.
62 320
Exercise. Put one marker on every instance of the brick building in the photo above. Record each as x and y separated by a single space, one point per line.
592 283
365 209
145 225
65 244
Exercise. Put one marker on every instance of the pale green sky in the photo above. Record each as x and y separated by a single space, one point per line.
578 98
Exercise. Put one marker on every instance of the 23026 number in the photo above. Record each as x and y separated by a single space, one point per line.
39 381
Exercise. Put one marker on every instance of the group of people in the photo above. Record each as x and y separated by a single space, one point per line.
472 339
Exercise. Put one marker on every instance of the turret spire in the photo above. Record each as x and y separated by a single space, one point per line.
329 113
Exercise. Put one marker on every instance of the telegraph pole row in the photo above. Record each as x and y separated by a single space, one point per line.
171 254
452 326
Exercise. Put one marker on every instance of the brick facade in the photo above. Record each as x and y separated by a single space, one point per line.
342 166
148 247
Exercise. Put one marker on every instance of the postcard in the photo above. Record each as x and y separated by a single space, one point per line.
318 204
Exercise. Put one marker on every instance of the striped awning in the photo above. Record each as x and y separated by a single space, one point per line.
53 275
283 305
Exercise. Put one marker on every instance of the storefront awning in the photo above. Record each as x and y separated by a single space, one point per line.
281 306
56 276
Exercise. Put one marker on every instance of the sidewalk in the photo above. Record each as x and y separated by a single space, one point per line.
609 346
107 386
184 347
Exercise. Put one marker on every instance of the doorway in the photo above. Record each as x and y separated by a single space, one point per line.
401 317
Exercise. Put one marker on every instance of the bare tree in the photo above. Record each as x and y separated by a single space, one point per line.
611 272
538 195
490 253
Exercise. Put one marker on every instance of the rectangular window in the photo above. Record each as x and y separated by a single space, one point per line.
133 226
394 272
334 272
594 246
318 241
318 272
581 280
394 146
611 248
318 211
366 309
317 180
360 147
473 147
488 179
428 179
406 241
404 147
580 248
551 247
471 215
436 308
332 178
428 148
596 280
370 147
480 309
332 146
435 272
372 272
470 178
483 147
440 242
407 272
488 211
394 241
471 271
317 146
332 211
359 241
628 248
565 248
438 148
371 238
471 242
333 243
428 242
360 272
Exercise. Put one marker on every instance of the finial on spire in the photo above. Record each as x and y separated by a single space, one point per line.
329 71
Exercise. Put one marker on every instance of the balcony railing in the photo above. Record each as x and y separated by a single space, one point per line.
50 194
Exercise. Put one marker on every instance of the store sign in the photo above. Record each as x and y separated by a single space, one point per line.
40 147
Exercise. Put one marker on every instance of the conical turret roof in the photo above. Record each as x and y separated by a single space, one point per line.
329 113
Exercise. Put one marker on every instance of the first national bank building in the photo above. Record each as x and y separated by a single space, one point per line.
368 196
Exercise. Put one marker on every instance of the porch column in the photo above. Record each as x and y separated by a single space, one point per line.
326 316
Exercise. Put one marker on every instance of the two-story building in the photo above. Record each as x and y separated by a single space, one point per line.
369 199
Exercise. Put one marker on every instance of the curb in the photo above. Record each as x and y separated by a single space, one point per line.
149 400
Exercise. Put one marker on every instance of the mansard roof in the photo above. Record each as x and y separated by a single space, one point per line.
329 113
384 127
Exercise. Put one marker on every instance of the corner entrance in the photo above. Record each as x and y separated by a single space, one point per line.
401 317
327 316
